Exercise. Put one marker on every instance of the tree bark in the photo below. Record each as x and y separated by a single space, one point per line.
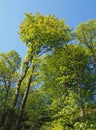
22 106
19 85
81 102
4 105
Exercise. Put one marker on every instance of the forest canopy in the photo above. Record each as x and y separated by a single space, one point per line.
54 86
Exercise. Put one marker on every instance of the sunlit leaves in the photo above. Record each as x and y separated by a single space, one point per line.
9 66
11 59
69 79
86 34
44 31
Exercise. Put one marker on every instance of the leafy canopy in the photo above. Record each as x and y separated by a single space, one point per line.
44 31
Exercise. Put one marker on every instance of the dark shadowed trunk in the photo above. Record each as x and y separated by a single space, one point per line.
4 104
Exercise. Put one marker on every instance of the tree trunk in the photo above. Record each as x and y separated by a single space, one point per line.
19 85
4 105
15 98
83 114
1 119
19 120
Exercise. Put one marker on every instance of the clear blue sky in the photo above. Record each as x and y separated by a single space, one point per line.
12 14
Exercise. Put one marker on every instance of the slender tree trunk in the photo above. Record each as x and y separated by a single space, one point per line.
83 111
22 106
6 98
7 121
81 102
19 85
4 105
1 119
18 123
15 98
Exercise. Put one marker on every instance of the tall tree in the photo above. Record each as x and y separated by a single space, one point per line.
40 34
68 72
9 66
86 35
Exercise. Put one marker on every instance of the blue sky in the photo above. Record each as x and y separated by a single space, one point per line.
12 14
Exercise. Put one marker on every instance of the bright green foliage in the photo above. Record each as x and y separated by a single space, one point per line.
63 111
56 83
44 31
41 34
37 109
9 65
65 67
68 77
12 59
86 35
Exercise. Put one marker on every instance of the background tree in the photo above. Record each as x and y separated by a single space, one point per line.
70 80
86 35
9 66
